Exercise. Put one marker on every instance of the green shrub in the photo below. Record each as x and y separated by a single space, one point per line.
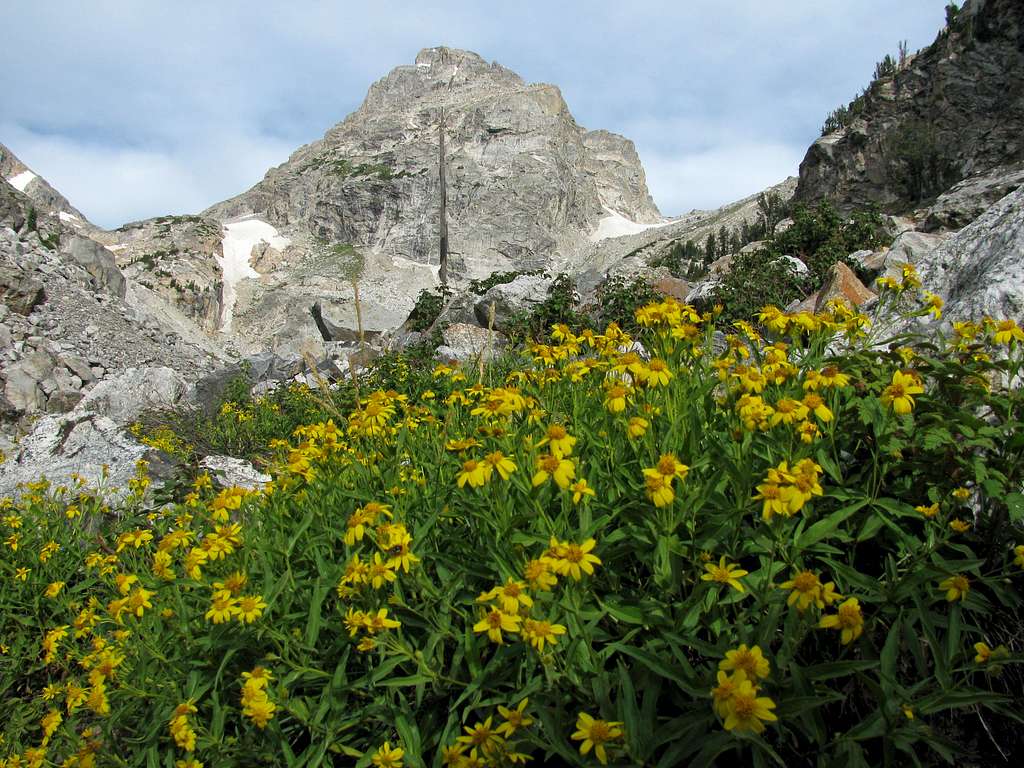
819 237
428 308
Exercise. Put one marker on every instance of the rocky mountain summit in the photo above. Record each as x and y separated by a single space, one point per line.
527 186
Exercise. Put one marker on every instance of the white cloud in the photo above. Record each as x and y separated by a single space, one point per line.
718 175
113 184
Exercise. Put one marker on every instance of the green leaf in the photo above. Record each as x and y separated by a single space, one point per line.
836 669
826 527
1015 504
400 682
659 667
409 733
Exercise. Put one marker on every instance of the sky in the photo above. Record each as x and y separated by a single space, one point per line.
140 109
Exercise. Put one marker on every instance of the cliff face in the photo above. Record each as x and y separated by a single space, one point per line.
527 186
953 110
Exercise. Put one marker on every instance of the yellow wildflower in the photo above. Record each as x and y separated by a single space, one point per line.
594 734
725 574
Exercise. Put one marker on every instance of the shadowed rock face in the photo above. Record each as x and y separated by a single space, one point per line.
956 109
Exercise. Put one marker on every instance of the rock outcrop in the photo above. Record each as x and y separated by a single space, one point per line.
953 110
979 271
527 187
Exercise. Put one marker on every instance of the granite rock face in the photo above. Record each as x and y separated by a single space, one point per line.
979 271
953 110
527 186
964 202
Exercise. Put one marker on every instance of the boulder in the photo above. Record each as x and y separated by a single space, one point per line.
86 444
979 270
702 292
78 366
124 397
20 291
210 391
792 263
910 248
22 391
511 299
673 287
966 201
842 283
97 261
720 266
463 342
872 261
229 472
807 304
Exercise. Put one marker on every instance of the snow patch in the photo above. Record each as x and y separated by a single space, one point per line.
240 237
423 64
404 263
617 225
22 180
68 217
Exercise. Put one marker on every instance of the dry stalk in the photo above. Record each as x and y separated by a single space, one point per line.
486 353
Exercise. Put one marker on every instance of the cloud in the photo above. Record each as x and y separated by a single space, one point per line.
112 184
717 175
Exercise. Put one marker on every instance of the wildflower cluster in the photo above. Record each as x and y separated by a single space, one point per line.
554 559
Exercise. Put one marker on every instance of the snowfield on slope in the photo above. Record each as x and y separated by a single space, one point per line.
617 225
239 239
22 180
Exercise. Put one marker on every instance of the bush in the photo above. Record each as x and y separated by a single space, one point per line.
779 555
617 300
819 237
428 307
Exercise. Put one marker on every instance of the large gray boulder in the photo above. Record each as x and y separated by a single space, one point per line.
966 201
910 247
86 444
97 261
511 299
229 472
980 270
19 290
464 342
124 397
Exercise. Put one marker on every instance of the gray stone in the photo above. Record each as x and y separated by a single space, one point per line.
97 261
19 291
966 201
124 397
979 271
702 292
510 300
60 446
795 265
464 342
22 390
5 337
910 248
229 472
79 366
